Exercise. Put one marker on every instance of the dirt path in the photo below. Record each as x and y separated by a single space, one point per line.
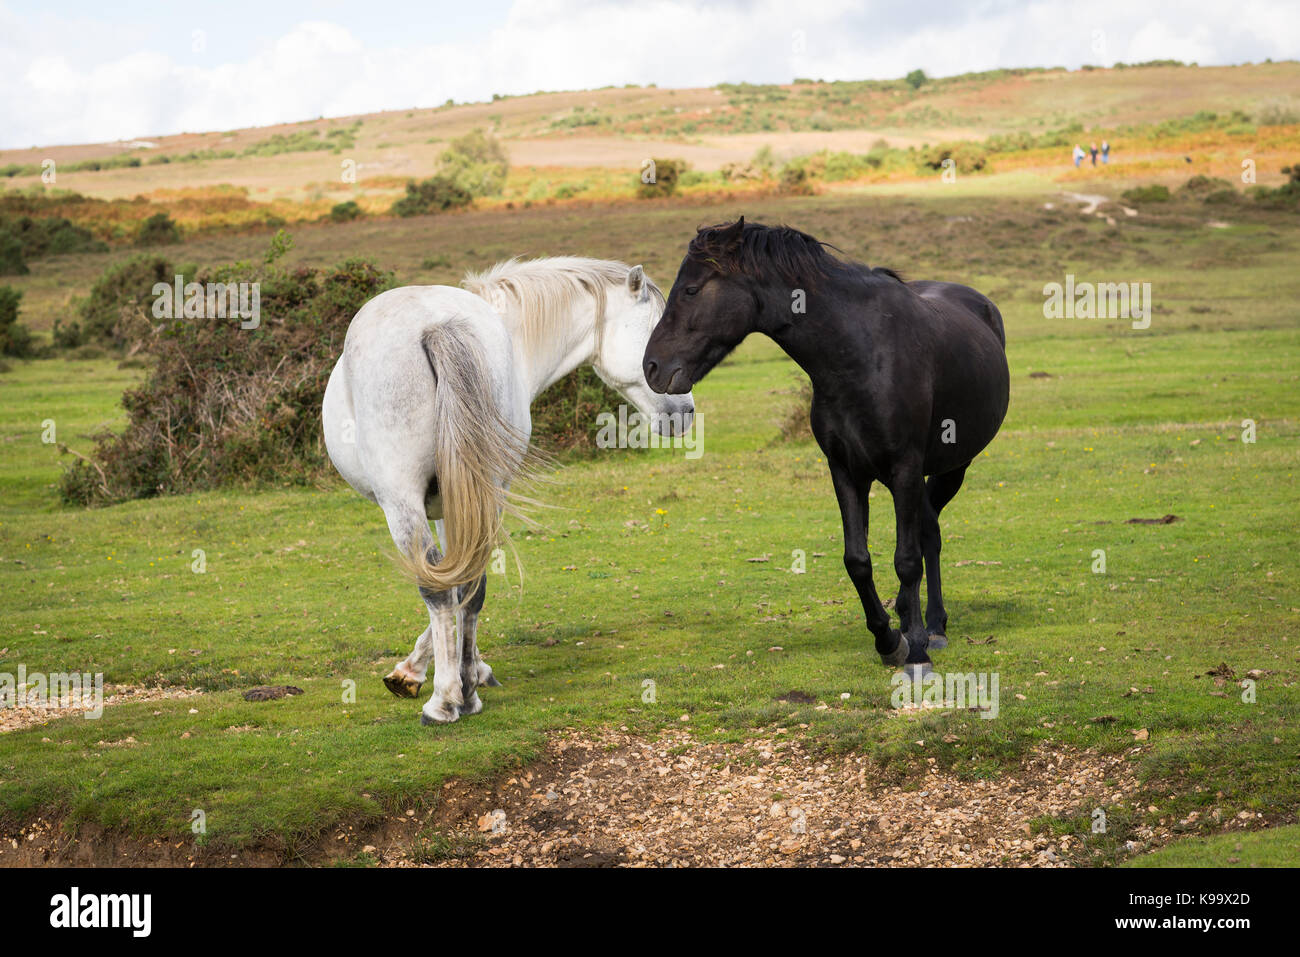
616 800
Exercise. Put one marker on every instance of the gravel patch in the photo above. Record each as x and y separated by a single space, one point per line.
618 800
44 710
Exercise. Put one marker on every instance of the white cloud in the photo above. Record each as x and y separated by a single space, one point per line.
60 87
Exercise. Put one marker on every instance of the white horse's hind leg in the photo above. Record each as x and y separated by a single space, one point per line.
407 677
474 671
410 527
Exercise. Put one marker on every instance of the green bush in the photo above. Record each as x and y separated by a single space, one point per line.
12 262
564 416
125 284
223 405
306 140
916 79
1154 193
475 163
67 335
1222 197
15 338
667 173
966 157
345 212
794 179
51 236
158 230
1279 111
1286 196
432 195
1205 184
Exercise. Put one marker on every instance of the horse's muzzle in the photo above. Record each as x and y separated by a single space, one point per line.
670 381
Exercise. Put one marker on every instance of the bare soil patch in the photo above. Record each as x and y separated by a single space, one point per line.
37 712
619 800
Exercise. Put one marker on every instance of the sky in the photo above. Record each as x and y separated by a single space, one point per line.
80 71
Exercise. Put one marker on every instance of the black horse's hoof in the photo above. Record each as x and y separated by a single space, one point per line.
918 648
898 655
938 642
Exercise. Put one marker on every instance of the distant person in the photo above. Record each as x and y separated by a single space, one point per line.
1105 151
1092 148
1078 155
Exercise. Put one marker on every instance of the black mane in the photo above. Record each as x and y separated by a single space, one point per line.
795 257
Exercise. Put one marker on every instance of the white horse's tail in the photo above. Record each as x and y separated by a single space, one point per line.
477 453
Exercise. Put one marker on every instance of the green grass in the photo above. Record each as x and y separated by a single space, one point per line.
1272 848
643 571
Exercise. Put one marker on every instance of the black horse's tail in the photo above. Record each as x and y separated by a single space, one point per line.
994 320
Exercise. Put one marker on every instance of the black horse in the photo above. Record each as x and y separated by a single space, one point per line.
909 380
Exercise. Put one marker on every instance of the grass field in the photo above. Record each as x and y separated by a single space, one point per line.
644 571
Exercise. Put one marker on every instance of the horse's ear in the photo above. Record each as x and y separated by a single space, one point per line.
731 236
636 281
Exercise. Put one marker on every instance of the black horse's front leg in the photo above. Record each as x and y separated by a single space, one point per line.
857 561
909 497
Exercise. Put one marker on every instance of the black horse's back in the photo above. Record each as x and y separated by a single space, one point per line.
975 301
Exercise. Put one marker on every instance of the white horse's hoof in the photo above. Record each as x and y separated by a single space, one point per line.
485 676
473 705
432 714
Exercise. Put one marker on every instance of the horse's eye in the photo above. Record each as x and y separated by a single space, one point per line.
692 290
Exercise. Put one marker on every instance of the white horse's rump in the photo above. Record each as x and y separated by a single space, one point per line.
426 413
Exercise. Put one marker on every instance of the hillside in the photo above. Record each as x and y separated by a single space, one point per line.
616 128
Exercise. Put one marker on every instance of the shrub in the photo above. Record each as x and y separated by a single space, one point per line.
15 338
12 262
435 194
1154 193
67 336
564 416
51 236
667 172
1222 197
916 79
121 286
1279 111
224 405
158 230
966 157
1205 184
1286 196
794 179
475 163
764 159
796 426
345 212
306 140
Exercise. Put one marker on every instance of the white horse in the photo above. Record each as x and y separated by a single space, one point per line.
427 414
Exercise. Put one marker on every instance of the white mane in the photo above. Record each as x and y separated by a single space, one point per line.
539 295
